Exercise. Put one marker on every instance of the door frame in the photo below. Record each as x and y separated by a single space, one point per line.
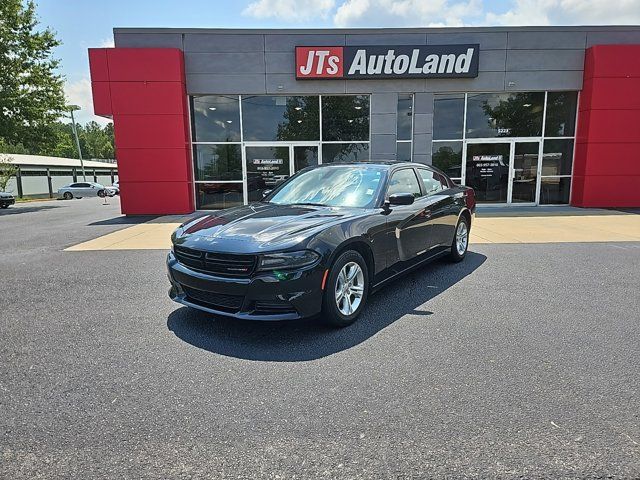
289 145
512 151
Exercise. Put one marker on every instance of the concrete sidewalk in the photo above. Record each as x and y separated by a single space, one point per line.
492 225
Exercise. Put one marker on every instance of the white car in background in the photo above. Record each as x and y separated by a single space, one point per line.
116 187
84 189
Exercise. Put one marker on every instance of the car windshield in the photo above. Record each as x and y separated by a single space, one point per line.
334 186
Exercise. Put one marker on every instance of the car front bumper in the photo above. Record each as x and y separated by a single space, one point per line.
264 296
7 201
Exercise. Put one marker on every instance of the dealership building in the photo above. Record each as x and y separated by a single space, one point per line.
211 118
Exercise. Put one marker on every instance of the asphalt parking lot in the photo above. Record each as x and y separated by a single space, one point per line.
520 362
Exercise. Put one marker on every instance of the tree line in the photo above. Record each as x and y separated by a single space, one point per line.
32 98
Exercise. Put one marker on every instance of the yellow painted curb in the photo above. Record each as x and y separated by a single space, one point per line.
567 229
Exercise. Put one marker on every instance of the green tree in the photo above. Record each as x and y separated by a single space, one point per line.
31 92
7 170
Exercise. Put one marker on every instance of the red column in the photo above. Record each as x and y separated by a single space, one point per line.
143 90
606 170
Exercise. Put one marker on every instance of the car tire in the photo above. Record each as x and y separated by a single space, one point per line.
101 193
460 242
341 311
67 195
4 206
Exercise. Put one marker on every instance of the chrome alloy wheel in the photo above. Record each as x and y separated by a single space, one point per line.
462 238
349 288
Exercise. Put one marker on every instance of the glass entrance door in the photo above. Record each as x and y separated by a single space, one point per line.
266 167
524 175
487 171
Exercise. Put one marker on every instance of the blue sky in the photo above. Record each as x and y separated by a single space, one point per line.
81 24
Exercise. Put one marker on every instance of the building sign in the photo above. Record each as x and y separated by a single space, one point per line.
488 165
423 61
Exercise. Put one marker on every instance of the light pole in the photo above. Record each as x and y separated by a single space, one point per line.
73 108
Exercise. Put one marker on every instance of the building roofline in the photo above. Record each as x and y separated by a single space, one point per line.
346 31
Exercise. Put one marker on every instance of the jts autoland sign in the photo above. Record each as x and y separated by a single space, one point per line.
424 61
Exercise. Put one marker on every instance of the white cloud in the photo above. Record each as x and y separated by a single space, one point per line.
439 13
79 93
107 43
290 10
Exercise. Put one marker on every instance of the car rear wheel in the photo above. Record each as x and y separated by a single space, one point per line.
101 193
460 241
346 289
67 196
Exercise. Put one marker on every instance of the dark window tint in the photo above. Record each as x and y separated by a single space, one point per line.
405 116
81 185
561 114
344 152
213 196
216 118
280 118
403 151
447 156
304 157
557 157
218 162
554 190
505 114
345 118
433 182
404 181
448 117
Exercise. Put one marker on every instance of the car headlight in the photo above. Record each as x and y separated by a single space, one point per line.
287 260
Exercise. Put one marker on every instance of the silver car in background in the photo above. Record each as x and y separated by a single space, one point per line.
82 189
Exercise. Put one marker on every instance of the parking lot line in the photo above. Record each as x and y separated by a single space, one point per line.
547 229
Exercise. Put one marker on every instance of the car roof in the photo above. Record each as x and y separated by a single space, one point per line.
376 163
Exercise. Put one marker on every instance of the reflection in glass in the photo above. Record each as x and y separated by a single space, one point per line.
281 118
216 118
557 157
448 117
554 190
345 118
304 157
336 186
403 151
525 172
266 168
345 152
214 196
561 114
504 114
405 116
487 171
447 156
218 162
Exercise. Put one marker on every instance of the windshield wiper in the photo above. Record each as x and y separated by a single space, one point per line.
310 203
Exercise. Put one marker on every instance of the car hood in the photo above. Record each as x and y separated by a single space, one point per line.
260 227
5 195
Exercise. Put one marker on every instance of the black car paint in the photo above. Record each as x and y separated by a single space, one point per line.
392 238
6 200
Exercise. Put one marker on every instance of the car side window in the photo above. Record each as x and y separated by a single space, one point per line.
404 181
432 181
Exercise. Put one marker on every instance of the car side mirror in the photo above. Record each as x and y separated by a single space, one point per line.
401 199
265 193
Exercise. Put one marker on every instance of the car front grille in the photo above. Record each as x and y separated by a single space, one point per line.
216 301
223 264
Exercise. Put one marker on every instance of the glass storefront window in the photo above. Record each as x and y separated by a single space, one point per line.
557 157
405 117
554 190
403 151
344 152
304 157
345 118
216 118
447 156
267 167
280 118
504 114
487 171
561 114
448 117
214 196
218 162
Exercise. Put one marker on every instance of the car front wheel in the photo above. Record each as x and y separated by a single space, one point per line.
67 196
346 289
460 241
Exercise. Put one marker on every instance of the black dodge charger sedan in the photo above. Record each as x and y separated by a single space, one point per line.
321 242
